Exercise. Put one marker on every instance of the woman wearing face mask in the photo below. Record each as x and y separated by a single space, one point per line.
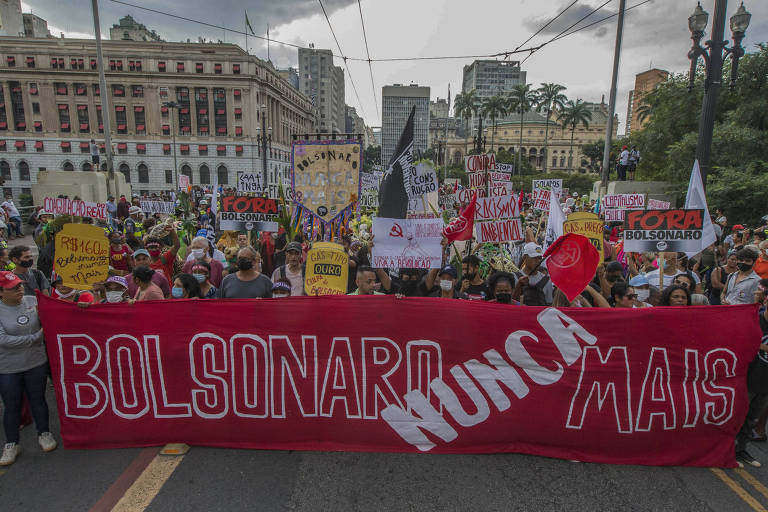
281 289
199 250
501 285
201 271
676 295
623 295
642 289
185 287
115 290
145 288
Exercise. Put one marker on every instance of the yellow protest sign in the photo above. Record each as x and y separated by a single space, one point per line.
82 255
327 270
326 175
589 225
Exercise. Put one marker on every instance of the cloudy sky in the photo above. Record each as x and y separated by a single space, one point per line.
655 35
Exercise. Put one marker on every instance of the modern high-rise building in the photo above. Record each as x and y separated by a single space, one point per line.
323 83
376 131
290 75
645 82
128 29
396 103
491 78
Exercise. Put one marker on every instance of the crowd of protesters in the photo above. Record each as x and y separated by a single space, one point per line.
152 259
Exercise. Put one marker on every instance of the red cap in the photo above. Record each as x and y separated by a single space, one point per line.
9 279
738 226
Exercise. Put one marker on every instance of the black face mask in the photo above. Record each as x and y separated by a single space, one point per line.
26 263
408 287
470 275
744 267
504 298
244 264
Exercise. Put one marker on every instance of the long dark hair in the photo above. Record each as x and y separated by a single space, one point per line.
668 293
143 273
190 284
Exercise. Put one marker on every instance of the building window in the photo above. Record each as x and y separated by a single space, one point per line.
238 114
137 91
166 149
82 118
202 150
17 106
161 67
238 94
66 147
217 69
205 175
185 118
11 61
54 63
238 150
163 91
39 146
30 62
184 149
143 173
68 166
554 161
21 145
180 67
126 172
223 175
80 89
35 107
236 69
220 112
99 119
120 119
118 90
138 115
141 149
61 88
166 129
94 65
238 131
201 108
221 150
64 117
86 166
5 170
198 67
169 175
84 147
96 90
23 171
187 171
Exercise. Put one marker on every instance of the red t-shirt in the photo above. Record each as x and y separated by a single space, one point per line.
118 258
164 264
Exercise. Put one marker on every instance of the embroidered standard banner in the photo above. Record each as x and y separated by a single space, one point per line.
652 386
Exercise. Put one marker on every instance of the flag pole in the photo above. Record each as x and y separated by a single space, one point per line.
246 32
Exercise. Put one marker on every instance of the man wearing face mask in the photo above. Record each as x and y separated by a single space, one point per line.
33 279
163 261
407 283
642 289
443 284
199 250
248 282
502 285
740 287
472 284
120 254
116 290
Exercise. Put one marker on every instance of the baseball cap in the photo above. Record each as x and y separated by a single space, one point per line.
532 250
9 279
450 270
639 280
139 252
293 246
134 209
279 285
118 280
737 226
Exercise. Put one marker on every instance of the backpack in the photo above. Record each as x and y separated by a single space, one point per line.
534 295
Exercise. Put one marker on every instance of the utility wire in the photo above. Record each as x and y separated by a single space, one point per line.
601 20
370 68
548 24
343 58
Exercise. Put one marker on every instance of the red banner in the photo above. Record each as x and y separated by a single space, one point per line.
652 386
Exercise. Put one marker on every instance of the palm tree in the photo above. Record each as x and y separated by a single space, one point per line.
522 99
464 106
550 97
494 107
574 114
644 111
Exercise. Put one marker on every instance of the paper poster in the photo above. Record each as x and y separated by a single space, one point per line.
493 208
420 181
499 230
476 163
656 204
327 269
663 230
589 225
242 213
152 207
542 190
624 201
81 255
249 182
75 208
326 175
506 168
407 243
614 214
183 182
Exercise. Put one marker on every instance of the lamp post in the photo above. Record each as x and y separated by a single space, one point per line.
713 61
264 138
173 105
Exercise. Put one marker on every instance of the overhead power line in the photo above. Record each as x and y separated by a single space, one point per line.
370 67
547 24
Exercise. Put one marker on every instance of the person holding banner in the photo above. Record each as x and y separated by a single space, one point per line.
293 270
502 286
446 279
676 295
533 287
145 288
623 295
248 282
200 250
201 271
23 367
741 286
366 281
281 289
185 287
141 257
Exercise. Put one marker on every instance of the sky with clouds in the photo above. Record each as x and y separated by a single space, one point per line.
655 35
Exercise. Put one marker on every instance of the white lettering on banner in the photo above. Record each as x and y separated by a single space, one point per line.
153 207
628 201
496 231
249 182
493 208
407 243
75 207
475 163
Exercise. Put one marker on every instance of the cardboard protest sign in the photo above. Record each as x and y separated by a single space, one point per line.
496 220
614 214
407 243
241 213
499 230
542 190
589 225
81 255
420 206
501 207
477 163
326 175
507 168
327 269
663 230
657 204
249 182
368 181
623 201
152 207
183 182
420 180
75 208
464 195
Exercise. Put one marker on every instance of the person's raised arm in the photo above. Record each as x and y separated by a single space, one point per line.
176 242
386 281
429 283
598 298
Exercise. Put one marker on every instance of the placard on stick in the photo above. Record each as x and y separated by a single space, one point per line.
82 255
327 269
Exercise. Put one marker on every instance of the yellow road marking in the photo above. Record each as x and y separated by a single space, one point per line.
738 490
743 473
139 495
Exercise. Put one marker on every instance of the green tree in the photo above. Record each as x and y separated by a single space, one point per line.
371 157
464 106
575 113
550 97
494 107
521 99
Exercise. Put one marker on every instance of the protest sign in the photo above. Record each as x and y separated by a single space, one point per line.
368 181
507 168
477 163
249 182
81 255
152 207
75 207
369 199
476 179
501 207
407 243
657 204
663 230
589 225
420 180
464 195
421 205
241 213
542 190
412 375
614 214
499 230
183 182
624 201
496 179
327 269
326 175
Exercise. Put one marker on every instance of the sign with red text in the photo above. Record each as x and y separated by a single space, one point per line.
499 230
75 207
614 214
464 195
589 225
542 190
623 201
657 204
407 243
247 213
410 375
663 230
477 163
501 207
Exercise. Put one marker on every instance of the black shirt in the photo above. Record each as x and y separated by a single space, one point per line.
477 291
757 374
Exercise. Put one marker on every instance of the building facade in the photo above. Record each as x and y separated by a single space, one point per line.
323 83
353 122
290 75
51 107
11 19
645 82
35 26
128 29
439 109
396 103
491 78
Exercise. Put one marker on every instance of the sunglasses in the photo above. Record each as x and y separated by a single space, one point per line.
684 285
632 296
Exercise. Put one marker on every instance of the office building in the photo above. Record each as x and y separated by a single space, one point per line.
290 75
491 78
323 83
396 103
644 83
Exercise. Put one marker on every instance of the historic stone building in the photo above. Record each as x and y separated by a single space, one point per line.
50 108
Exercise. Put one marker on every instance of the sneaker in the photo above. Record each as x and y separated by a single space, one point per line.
47 442
10 452
746 458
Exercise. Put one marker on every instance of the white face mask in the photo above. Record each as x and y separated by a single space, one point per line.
446 284
642 295
197 253
115 296
65 295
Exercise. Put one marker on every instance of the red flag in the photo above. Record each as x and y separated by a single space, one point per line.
520 200
460 228
455 187
572 263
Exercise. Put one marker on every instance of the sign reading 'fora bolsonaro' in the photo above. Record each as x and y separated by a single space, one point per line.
663 230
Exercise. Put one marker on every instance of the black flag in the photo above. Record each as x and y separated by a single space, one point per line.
393 199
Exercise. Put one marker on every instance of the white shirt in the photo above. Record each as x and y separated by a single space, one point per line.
653 278
11 209
94 150
217 255
296 279
624 157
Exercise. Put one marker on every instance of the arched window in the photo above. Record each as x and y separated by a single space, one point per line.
143 173
562 161
554 161
68 166
187 171
205 175
223 175
23 171
86 166
5 170
126 172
